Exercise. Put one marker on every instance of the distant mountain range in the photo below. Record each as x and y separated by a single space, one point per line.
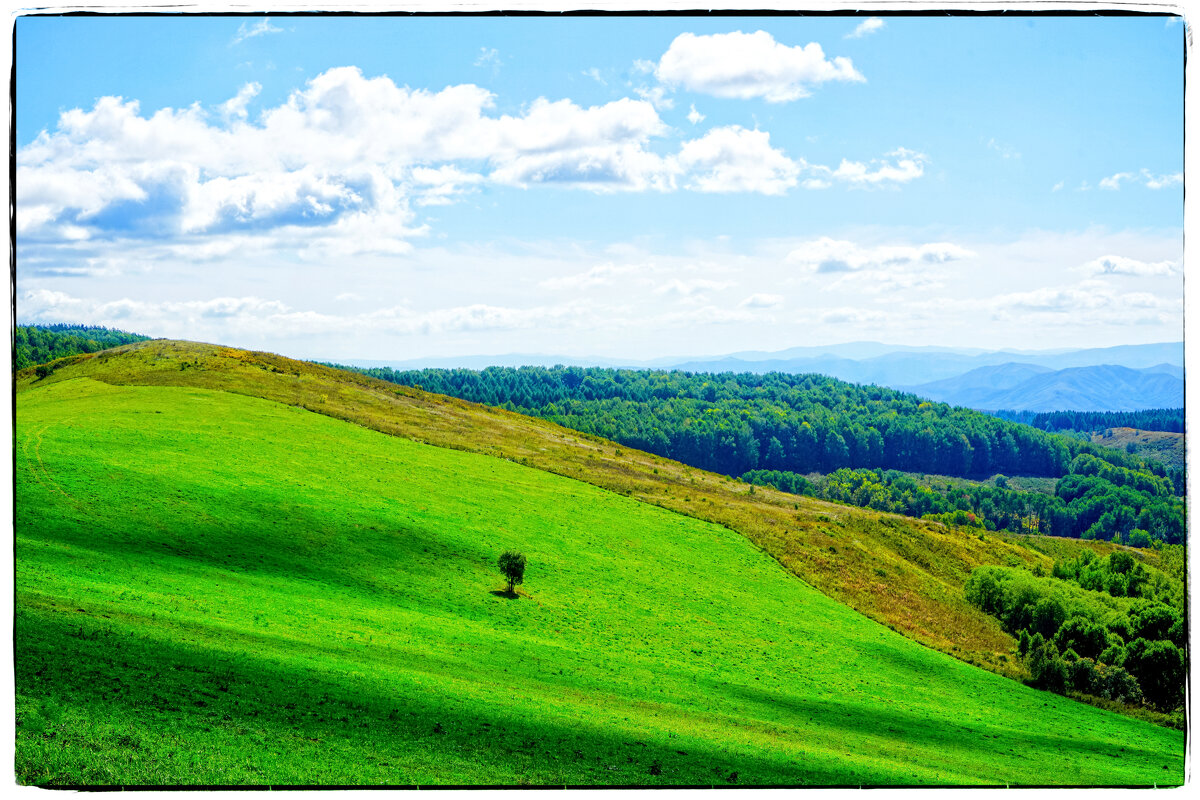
913 367
1030 387
1123 378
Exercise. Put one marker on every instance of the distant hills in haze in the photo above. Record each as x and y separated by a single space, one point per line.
1029 387
1122 378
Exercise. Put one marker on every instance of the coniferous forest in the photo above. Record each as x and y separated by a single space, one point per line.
1170 420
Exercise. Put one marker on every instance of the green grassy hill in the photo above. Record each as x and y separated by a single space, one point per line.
907 574
214 588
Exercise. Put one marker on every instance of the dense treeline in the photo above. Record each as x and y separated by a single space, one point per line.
38 344
1155 419
1096 642
732 423
1095 501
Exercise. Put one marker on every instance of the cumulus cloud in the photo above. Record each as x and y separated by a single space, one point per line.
345 151
749 65
733 159
694 116
1120 265
346 162
868 25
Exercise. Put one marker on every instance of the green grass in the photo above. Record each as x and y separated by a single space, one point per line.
219 589
904 573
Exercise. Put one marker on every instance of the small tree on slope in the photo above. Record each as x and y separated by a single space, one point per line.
512 566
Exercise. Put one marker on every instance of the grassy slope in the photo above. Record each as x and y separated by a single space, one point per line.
905 573
1168 448
213 588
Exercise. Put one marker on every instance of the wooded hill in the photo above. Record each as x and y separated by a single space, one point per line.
732 423
38 344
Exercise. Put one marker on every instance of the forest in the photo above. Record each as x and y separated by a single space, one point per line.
1095 501
1170 420
733 423
38 344
1109 626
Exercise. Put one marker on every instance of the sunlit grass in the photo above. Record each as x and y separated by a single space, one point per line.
217 589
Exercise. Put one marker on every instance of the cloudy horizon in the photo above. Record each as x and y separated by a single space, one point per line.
397 188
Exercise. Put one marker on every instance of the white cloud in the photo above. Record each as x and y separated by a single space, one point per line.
826 255
346 162
1144 177
343 152
236 105
600 275
907 165
260 28
748 65
595 75
733 159
254 315
762 300
656 96
869 25
442 185
1161 181
694 116
1120 265
1113 182
1057 187
1091 302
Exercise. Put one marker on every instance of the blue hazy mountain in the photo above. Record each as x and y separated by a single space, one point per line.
1027 387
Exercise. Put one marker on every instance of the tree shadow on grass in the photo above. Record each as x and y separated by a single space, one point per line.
505 594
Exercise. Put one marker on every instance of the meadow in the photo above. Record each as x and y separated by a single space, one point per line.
218 589
907 574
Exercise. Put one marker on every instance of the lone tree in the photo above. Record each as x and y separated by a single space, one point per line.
512 566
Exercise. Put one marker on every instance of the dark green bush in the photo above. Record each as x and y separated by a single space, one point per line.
1158 668
1084 636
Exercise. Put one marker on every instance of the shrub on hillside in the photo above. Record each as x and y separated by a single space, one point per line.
1159 670
1085 636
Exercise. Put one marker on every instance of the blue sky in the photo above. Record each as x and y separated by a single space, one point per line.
403 187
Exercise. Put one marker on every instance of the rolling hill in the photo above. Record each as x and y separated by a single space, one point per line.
1027 387
216 585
